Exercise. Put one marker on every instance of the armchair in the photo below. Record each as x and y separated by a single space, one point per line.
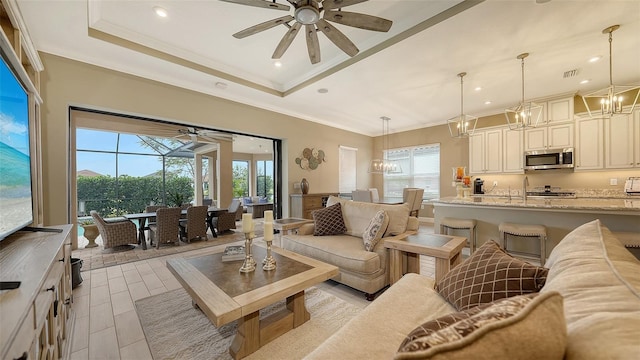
115 233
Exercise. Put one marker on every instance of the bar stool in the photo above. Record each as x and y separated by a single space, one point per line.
449 223
527 231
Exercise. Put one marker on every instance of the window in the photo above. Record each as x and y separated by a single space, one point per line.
240 178
264 179
420 169
347 174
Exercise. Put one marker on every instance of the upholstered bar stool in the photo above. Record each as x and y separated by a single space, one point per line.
449 223
539 232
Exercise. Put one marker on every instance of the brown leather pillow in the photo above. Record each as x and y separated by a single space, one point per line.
329 221
488 275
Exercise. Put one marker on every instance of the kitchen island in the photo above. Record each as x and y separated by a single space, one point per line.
559 215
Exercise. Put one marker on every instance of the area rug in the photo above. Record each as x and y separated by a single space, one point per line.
174 329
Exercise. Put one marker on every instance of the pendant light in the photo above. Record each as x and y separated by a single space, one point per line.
384 165
614 98
462 125
525 114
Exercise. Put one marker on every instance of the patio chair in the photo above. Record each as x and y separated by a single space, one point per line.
115 234
167 227
227 221
195 225
152 220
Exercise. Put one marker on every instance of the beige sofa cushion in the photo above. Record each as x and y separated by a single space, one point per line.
344 251
357 216
521 327
381 327
600 282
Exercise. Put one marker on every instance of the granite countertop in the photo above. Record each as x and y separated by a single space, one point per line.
588 203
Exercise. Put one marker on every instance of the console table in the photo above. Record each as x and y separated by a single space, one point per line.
302 205
37 316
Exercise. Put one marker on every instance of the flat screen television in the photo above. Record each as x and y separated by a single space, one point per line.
16 210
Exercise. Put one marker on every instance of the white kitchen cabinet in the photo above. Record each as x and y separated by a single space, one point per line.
485 152
589 144
622 141
560 110
512 151
548 137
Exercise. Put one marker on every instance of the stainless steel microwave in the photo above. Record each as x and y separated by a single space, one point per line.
549 159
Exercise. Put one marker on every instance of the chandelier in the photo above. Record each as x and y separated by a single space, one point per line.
525 114
614 98
462 125
384 165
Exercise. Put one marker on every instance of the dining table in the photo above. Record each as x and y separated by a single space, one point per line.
142 218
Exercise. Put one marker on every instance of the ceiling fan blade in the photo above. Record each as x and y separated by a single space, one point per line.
361 21
336 4
262 27
286 41
337 37
312 44
260 3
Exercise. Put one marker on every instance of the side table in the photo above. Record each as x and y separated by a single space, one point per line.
406 251
286 224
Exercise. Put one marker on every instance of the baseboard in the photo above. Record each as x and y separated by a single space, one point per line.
426 220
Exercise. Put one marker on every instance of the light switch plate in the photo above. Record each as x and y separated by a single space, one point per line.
613 181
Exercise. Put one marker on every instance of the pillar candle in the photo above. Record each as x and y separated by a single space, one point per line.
268 231
247 223
268 216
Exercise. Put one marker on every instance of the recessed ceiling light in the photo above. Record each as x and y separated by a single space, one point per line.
323 91
595 58
585 81
160 11
488 102
277 64
478 88
221 85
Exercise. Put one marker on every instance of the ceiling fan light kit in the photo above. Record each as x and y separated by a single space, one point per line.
463 125
614 99
314 14
526 114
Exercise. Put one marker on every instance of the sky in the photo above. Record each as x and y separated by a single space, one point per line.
133 165
14 112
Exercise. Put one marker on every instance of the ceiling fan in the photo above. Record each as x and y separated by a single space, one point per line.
314 15
203 135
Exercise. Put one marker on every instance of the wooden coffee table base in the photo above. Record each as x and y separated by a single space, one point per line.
254 333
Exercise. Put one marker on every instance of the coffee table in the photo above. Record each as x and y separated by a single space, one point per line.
224 294
406 251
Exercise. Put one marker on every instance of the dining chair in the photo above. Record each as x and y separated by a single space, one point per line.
167 227
195 225
227 220
151 220
374 195
413 197
361 195
115 233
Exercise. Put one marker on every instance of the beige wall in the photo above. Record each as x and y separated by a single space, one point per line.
66 82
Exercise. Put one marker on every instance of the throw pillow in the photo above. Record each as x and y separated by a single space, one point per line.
522 327
488 275
374 231
328 221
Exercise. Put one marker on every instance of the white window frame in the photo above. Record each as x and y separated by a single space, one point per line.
430 180
347 176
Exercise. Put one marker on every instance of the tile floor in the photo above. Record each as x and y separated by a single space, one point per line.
107 326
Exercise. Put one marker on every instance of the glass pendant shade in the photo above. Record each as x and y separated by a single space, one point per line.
384 165
462 125
525 114
614 99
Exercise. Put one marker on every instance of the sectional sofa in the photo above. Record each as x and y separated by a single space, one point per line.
588 308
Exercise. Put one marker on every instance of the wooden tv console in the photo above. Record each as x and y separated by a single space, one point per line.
36 317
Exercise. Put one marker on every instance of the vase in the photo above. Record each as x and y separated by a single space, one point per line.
304 186
91 233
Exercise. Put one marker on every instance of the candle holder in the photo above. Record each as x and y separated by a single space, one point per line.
269 263
249 263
